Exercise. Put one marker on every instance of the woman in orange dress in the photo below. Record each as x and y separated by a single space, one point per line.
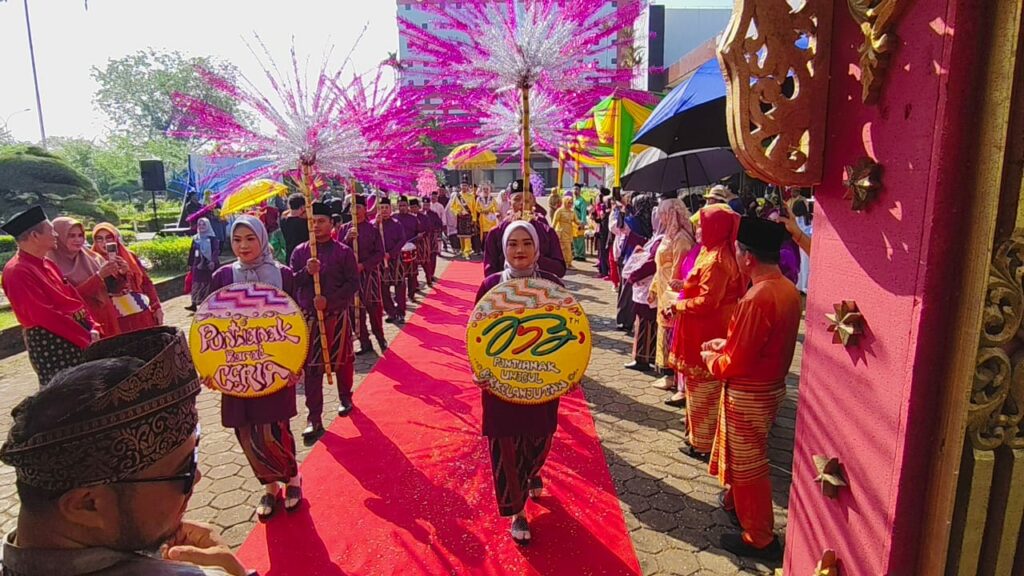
130 289
710 293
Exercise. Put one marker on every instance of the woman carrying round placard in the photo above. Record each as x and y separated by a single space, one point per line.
529 343
262 422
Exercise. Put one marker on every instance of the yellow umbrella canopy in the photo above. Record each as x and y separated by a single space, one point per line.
252 194
470 157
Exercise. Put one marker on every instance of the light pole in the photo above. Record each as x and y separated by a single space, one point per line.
35 75
12 115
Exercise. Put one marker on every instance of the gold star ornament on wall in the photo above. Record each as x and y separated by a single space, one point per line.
847 324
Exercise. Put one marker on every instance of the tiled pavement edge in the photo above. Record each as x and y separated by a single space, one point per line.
669 500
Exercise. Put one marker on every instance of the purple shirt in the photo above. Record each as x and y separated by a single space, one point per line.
410 223
789 260
394 237
503 419
339 277
240 412
424 222
371 247
434 220
551 260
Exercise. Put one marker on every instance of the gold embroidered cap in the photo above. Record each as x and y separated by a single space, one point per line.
127 429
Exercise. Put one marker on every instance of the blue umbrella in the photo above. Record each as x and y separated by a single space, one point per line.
691 117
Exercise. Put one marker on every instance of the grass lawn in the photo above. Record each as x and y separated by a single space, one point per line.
7 319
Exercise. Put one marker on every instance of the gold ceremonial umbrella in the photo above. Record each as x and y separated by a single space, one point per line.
470 157
252 194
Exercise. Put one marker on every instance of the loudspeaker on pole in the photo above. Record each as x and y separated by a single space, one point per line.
152 175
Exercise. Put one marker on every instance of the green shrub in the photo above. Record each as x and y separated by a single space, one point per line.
165 254
7 244
4 258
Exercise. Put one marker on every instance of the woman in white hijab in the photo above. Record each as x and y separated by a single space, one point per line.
262 425
519 436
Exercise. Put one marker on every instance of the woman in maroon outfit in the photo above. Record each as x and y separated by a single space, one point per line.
262 425
519 436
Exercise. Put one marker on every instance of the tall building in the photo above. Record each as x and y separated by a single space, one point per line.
669 38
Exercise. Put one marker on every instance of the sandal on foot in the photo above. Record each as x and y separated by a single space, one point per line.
265 509
536 488
292 496
520 531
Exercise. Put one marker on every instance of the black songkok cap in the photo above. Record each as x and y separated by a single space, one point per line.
20 223
121 432
414 201
321 209
383 201
403 199
761 235
360 200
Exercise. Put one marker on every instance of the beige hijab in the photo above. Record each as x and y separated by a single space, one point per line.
77 266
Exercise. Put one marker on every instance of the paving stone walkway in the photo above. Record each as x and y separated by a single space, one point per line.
668 499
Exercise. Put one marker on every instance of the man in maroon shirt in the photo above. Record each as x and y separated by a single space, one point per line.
339 281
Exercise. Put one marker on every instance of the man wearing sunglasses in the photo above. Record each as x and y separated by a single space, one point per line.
106 460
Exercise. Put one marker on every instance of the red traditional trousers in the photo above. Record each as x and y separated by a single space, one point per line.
740 455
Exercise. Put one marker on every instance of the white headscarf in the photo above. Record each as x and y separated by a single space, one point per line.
265 269
203 237
509 272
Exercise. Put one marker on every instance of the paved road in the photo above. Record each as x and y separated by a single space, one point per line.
669 500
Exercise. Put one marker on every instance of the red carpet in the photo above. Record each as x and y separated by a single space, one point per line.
404 485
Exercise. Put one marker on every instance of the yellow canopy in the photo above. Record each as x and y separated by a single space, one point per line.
470 157
252 194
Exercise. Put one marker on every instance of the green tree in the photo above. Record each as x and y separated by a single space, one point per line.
30 176
135 91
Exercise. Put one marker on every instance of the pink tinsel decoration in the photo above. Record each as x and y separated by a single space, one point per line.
490 48
360 130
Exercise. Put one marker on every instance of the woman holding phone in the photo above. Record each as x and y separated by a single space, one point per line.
130 289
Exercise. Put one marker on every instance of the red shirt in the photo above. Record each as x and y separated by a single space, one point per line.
41 298
762 334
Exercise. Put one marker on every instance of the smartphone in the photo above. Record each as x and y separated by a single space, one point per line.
111 248
799 208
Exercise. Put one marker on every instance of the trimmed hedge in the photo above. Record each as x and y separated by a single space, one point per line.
168 254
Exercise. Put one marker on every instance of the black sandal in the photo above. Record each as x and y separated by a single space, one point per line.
268 501
293 493
520 525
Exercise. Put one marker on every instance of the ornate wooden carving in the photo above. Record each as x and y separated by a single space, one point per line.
876 19
776 63
863 183
997 392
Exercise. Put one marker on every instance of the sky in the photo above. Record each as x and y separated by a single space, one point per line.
70 40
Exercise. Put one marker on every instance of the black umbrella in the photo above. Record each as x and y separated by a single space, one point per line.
683 170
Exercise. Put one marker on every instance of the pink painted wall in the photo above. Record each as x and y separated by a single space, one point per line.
873 405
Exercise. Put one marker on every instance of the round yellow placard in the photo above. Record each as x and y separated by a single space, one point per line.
249 340
530 339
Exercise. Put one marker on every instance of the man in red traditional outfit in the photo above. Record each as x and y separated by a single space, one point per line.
752 362
54 318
